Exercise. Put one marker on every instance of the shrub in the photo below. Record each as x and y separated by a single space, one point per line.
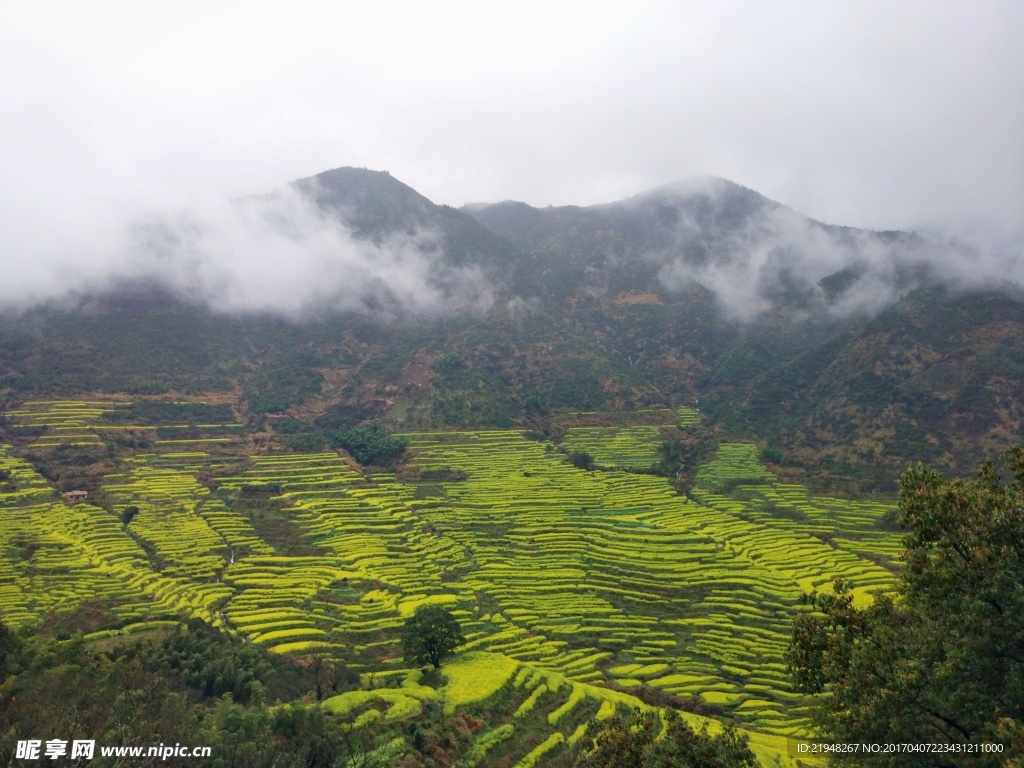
581 460
370 444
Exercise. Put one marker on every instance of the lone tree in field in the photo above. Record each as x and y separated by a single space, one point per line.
430 634
943 661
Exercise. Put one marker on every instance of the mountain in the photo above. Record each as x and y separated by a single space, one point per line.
847 353
375 205
755 253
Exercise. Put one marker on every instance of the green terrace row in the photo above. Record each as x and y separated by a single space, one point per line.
66 421
688 416
167 502
273 604
852 526
531 588
83 553
572 555
682 416
368 526
22 485
616 446
201 537
74 422
372 533
191 531
542 702
600 577
66 556
734 462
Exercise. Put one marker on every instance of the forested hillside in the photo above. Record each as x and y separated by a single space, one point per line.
847 352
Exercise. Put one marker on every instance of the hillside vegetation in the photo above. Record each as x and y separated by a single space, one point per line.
847 351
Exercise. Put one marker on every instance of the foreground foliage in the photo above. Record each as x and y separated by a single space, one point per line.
943 661
144 694
641 743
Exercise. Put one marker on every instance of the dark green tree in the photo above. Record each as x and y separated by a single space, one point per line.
10 650
430 634
140 694
128 514
581 460
370 444
211 662
943 660
637 743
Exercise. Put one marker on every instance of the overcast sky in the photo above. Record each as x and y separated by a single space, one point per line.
890 114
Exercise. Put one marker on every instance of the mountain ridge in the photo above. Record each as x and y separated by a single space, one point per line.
846 362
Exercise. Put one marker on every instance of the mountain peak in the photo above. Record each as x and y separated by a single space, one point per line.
352 186
371 203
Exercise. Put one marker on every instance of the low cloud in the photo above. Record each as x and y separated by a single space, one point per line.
756 256
287 254
278 253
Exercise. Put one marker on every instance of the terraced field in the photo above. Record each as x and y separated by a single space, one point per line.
854 527
576 590
627 446
81 423
68 422
612 577
616 446
58 557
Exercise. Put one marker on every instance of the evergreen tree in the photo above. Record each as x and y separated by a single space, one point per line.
943 660
643 743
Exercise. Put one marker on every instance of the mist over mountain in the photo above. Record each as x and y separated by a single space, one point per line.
353 239
290 252
754 254
348 296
